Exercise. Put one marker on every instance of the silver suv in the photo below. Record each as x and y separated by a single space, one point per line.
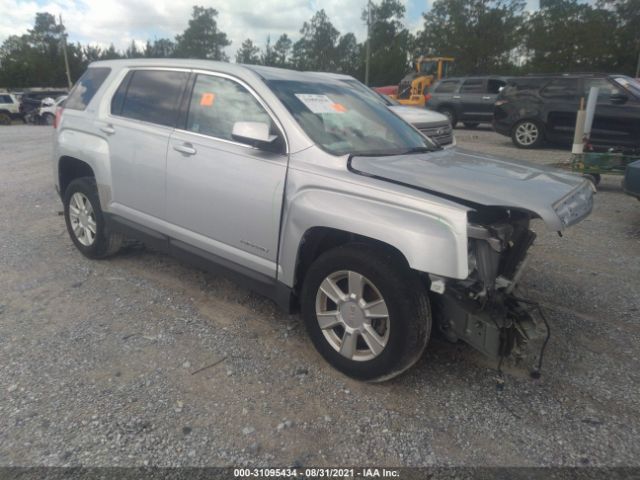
315 195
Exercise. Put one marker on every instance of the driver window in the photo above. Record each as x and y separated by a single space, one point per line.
217 103
605 88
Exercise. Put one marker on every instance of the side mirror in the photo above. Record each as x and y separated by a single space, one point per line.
618 98
254 133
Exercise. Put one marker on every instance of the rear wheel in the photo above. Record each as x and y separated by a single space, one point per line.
450 114
471 125
527 134
5 119
85 220
47 119
366 312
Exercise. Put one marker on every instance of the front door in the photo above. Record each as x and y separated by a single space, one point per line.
225 196
617 117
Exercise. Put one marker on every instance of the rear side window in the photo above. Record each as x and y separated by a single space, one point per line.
86 88
5 99
472 86
448 86
560 87
150 95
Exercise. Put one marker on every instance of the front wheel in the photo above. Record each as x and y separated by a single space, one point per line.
366 312
85 220
527 134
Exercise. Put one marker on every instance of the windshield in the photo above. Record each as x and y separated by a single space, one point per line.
343 120
630 84
430 68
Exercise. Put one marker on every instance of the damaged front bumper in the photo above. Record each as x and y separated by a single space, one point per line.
483 310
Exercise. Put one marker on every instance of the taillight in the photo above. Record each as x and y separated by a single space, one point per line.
56 120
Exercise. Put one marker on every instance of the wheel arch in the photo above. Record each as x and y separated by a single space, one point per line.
318 240
70 168
87 154
433 242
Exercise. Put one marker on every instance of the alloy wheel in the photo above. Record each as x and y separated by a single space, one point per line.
527 133
82 218
352 315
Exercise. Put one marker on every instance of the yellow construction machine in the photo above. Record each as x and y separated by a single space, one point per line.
413 88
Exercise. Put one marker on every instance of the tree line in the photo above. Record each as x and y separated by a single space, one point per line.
484 36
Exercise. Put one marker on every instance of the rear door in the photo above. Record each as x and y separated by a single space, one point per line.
144 111
560 105
472 104
224 196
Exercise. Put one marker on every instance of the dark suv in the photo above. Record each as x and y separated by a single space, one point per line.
533 109
469 99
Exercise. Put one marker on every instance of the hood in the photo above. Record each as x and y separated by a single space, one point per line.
418 115
560 199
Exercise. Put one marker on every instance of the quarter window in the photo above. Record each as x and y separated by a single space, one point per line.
150 95
217 103
5 99
86 88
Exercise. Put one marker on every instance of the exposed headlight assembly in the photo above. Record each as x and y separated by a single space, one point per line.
576 205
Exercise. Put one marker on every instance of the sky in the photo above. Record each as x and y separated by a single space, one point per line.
119 22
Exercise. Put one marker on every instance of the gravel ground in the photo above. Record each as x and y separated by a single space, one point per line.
102 361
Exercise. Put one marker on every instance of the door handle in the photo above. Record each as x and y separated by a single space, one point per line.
185 148
486 98
108 129
456 96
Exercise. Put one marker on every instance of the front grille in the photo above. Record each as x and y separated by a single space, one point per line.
442 133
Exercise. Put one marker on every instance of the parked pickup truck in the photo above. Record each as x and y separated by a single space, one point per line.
312 194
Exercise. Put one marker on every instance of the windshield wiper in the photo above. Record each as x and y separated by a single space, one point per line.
417 150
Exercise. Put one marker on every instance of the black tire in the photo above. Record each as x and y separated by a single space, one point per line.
521 140
105 243
47 118
409 315
471 125
593 178
5 118
450 114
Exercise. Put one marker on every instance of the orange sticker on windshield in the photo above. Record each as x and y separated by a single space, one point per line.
338 107
207 99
